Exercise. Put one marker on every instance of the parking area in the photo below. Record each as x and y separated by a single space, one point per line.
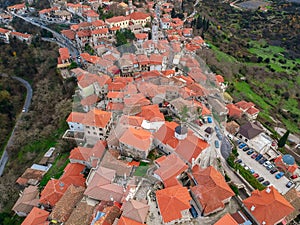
279 184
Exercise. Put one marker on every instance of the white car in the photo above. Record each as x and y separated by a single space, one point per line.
23 110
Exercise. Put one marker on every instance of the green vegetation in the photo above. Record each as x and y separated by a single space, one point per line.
141 171
8 219
244 173
283 139
123 35
234 188
250 178
89 49
56 170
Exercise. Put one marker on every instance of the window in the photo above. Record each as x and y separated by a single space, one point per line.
89 132
93 128
95 133
87 126
72 126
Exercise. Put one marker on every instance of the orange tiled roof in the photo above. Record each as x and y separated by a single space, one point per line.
135 121
64 53
75 117
73 175
85 154
141 36
97 118
268 206
219 79
100 31
234 111
166 134
115 95
98 23
244 105
126 221
36 217
18 34
135 210
152 113
116 86
252 110
169 168
136 99
116 19
138 16
52 192
70 34
115 106
171 201
191 147
138 138
226 220
211 189
4 31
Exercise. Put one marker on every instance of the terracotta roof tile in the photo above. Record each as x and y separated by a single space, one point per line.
28 199
138 138
135 210
126 221
234 111
36 217
75 117
171 201
73 175
226 220
135 121
151 113
169 168
263 204
211 189
97 118
89 100
81 215
110 214
116 19
64 207
138 16
52 192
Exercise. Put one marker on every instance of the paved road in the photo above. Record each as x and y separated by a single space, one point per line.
4 157
60 38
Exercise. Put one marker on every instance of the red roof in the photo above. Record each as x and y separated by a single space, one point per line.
152 113
234 111
169 168
156 59
219 79
73 175
211 189
138 16
116 19
97 118
100 31
244 105
268 206
135 121
52 192
70 34
137 138
166 134
252 111
36 217
3 31
126 221
141 36
115 95
115 106
76 117
171 201
227 219
64 53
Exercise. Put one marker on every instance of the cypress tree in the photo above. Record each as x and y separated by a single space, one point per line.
283 139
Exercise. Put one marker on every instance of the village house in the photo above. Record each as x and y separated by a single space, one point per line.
211 193
22 37
261 204
97 124
136 143
135 210
4 35
248 108
100 186
173 138
74 121
36 216
18 8
28 199
89 157
174 204
169 168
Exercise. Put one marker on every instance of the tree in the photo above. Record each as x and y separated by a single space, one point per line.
121 39
283 139
173 13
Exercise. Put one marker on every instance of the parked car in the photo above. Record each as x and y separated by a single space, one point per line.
250 152
262 160
242 145
209 119
260 179
266 163
266 183
271 166
217 145
193 212
239 141
254 156
279 175
274 170
294 176
239 161
255 175
252 171
289 184
246 149
258 157
219 136
243 164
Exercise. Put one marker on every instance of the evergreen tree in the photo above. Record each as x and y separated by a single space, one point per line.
173 13
283 139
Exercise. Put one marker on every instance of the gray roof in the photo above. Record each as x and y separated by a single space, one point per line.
250 130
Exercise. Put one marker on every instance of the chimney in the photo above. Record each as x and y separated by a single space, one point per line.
252 208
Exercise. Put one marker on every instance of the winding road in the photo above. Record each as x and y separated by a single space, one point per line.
4 157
